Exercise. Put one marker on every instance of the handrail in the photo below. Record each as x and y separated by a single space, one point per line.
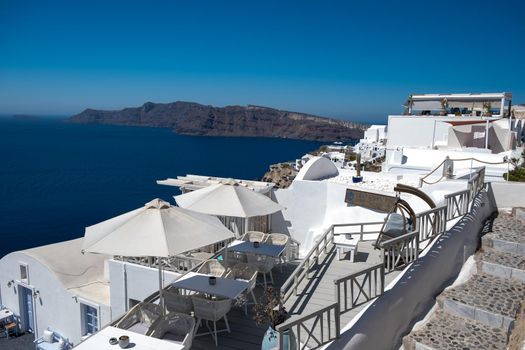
301 271
376 287
422 180
431 223
457 203
400 251
320 320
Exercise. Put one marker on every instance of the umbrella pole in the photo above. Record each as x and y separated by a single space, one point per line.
161 300
246 225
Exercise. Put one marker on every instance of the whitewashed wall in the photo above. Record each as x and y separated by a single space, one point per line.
55 307
132 281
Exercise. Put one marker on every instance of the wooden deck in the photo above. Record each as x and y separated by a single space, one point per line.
317 292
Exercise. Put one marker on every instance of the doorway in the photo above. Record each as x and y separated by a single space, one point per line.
26 309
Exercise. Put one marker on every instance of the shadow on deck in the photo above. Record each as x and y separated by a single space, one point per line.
316 292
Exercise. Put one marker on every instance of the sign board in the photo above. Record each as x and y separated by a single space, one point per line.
370 200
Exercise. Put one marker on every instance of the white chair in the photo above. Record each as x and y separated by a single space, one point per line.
247 273
263 263
253 236
282 240
177 302
211 310
51 340
212 267
140 318
174 327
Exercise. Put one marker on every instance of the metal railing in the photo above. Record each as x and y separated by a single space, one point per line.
431 223
322 245
457 204
400 251
358 288
326 321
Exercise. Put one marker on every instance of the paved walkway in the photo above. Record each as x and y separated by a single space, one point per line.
481 313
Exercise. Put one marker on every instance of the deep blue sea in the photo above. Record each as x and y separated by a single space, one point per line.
57 178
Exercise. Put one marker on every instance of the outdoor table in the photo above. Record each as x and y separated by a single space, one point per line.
263 249
342 242
5 314
100 341
224 287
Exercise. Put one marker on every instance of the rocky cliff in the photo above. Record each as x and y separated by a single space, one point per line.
250 121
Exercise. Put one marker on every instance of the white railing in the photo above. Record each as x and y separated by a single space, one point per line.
322 245
457 204
431 223
400 251
358 288
326 321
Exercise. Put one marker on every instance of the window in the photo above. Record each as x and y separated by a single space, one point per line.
24 273
89 319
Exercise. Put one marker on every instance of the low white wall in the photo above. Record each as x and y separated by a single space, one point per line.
132 281
392 315
55 307
509 194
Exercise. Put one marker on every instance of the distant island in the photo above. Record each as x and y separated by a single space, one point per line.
188 118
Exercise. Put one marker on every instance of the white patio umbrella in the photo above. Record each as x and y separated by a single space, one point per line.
228 200
157 229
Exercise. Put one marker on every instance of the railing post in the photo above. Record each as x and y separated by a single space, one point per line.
337 321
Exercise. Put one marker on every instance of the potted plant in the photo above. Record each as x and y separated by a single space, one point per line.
444 107
357 178
487 109
270 311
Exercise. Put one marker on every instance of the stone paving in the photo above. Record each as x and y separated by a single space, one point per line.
507 228
515 261
480 313
445 331
489 293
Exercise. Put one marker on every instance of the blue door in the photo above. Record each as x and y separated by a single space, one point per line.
26 302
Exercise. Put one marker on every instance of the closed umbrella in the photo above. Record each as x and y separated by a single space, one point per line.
228 200
157 229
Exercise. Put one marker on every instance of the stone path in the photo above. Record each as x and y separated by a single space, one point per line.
481 313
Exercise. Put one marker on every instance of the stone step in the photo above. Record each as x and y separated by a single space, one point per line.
487 299
507 235
500 264
444 331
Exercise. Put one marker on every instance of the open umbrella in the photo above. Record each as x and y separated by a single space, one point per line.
228 200
157 229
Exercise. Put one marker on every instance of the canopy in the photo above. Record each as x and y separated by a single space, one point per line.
157 229
228 200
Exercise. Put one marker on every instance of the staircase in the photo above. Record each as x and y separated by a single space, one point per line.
481 313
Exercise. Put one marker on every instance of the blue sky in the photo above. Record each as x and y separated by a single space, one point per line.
354 60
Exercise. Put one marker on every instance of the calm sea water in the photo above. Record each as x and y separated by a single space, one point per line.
57 178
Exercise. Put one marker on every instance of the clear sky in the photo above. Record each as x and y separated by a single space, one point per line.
347 59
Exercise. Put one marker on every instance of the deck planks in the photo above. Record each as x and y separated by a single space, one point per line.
317 292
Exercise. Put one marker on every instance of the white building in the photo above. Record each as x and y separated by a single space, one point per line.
56 287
